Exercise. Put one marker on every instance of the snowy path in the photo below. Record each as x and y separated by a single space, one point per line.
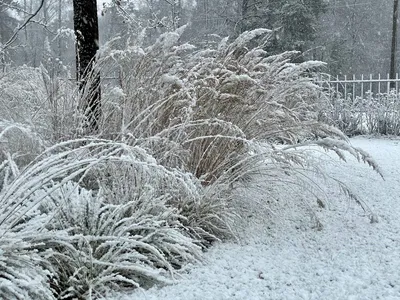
283 257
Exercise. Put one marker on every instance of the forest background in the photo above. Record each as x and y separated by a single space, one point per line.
352 36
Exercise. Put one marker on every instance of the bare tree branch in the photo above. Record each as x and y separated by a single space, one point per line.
14 7
14 36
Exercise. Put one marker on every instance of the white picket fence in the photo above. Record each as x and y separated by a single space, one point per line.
365 87
362 104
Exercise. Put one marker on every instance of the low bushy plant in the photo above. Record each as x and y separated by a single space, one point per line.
182 132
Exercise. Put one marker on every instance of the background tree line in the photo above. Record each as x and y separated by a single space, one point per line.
352 36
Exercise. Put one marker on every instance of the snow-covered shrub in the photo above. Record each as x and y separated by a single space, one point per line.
183 128
20 141
215 146
24 274
373 114
40 100
211 217
157 103
195 108
204 111
267 97
141 222
204 217
22 96
137 242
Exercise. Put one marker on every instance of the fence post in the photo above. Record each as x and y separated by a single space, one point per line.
362 86
379 86
388 84
370 86
337 87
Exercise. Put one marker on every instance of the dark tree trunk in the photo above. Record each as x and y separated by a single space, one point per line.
394 43
87 43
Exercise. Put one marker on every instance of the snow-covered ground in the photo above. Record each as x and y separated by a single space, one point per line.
283 256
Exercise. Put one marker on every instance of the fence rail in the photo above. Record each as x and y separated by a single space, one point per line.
362 104
365 87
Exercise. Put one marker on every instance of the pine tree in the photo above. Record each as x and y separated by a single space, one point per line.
293 20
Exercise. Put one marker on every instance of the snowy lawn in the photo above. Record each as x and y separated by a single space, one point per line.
282 255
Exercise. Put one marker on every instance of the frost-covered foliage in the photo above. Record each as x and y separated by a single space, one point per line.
138 224
182 129
20 141
267 97
197 108
37 98
22 271
168 84
106 246
206 111
373 114
23 83
24 274
203 215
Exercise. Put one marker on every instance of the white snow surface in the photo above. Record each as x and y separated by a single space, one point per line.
281 255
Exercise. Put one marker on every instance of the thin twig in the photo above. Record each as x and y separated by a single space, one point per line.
14 36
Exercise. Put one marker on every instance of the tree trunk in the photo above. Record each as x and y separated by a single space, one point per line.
87 43
394 44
